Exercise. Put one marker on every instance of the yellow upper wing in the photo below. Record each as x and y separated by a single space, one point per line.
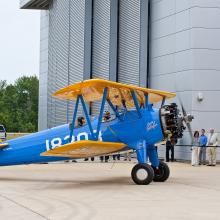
84 149
92 90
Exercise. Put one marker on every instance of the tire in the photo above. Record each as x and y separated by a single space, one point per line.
162 173
145 170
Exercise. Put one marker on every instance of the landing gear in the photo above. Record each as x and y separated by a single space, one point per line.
161 173
142 174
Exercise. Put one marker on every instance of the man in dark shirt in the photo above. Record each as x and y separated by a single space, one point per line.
170 147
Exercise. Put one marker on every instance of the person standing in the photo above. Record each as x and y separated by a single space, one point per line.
102 158
213 140
195 149
116 156
202 149
170 147
127 156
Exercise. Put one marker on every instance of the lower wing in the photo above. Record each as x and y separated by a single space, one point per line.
85 148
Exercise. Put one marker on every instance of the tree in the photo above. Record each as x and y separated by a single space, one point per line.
19 104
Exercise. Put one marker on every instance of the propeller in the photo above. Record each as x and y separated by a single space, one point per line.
187 118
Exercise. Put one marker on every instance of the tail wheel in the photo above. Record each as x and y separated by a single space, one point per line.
162 173
142 174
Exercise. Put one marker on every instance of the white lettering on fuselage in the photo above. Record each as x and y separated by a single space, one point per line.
151 125
58 141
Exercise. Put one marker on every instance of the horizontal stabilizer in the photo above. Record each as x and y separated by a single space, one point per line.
84 149
3 145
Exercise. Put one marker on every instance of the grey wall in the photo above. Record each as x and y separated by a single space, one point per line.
43 76
89 39
66 55
100 67
109 40
184 57
128 42
100 39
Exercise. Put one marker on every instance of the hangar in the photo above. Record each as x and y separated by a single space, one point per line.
170 45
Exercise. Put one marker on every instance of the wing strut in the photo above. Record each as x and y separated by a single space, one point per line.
136 103
95 135
101 111
87 116
74 118
163 102
114 109
146 100
80 98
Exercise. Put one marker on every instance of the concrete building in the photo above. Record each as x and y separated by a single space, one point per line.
110 39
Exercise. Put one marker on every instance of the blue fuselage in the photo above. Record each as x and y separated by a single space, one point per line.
130 130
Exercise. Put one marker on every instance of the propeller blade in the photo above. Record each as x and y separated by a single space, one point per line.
182 106
179 98
190 130
186 118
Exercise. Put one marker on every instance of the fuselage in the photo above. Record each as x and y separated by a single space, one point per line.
129 129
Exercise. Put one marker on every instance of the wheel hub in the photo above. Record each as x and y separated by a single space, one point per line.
142 174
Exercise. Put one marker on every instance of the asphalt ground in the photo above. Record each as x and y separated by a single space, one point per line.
91 190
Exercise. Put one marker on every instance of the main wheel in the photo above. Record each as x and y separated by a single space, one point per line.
161 173
142 174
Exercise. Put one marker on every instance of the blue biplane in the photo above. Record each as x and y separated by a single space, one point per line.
136 125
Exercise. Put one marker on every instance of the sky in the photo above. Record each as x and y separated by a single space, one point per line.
19 41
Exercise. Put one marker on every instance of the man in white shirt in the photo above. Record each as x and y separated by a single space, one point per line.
213 140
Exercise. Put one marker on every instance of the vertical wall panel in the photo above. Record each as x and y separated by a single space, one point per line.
113 41
62 44
144 40
66 54
43 76
76 44
58 60
100 42
51 64
76 47
87 67
129 40
100 39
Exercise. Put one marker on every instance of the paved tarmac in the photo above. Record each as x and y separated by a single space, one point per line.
105 191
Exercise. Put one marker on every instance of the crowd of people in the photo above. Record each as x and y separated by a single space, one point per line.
204 145
204 148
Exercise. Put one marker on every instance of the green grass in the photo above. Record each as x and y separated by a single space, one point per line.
15 135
